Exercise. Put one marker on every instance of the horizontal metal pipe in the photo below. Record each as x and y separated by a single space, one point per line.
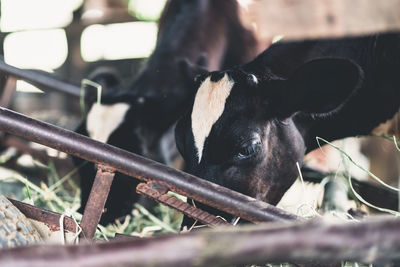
179 205
136 166
41 80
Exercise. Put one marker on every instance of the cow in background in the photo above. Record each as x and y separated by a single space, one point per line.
194 36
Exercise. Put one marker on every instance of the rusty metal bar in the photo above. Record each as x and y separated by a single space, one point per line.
50 218
144 169
42 80
318 241
9 90
97 199
179 205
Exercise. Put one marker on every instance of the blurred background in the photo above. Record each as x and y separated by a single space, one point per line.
69 39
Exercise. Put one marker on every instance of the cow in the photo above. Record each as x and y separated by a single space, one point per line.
193 36
249 125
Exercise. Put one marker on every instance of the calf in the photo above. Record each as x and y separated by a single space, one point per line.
193 36
249 125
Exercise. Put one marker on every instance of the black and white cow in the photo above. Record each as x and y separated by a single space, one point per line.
193 36
249 125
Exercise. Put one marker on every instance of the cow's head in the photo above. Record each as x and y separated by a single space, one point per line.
164 88
246 130
136 119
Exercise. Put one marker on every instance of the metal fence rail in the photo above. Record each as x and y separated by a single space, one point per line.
41 80
144 169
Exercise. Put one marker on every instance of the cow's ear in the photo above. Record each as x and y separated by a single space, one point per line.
320 87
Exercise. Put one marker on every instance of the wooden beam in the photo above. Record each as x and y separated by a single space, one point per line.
318 241
300 19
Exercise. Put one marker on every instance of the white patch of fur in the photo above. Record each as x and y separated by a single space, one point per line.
102 120
208 106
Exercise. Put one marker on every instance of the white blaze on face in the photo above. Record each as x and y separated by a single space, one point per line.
208 106
102 120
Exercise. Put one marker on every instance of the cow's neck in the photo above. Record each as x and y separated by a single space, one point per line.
209 27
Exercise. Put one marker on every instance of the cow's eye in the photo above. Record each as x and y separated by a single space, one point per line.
248 150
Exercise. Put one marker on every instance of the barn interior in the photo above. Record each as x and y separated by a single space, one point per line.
70 40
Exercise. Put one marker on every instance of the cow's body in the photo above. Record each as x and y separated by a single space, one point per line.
379 58
267 113
207 33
